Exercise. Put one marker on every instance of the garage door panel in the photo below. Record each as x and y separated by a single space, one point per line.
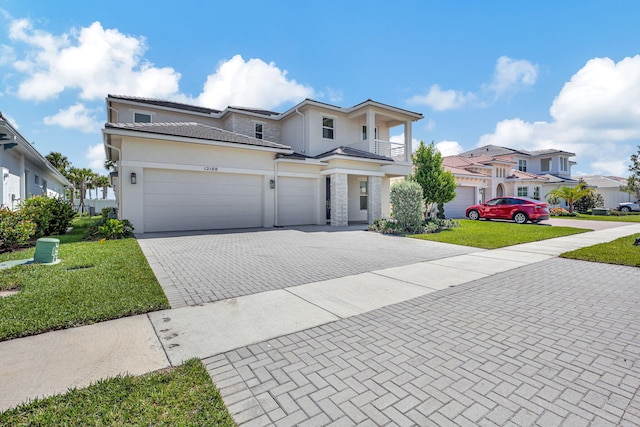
185 200
297 201
465 197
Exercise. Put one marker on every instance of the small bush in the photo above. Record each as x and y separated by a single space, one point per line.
432 225
408 205
52 215
16 229
561 212
109 228
109 213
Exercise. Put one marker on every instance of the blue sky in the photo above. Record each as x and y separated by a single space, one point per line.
530 75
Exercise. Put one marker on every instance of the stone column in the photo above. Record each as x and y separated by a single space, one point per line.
374 198
339 200
371 131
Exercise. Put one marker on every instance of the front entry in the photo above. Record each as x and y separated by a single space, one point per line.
500 190
328 200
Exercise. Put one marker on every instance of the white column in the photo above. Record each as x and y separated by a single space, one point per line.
374 198
23 183
339 200
371 131
407 141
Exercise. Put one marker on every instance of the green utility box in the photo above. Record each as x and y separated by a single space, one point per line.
46 251
599 211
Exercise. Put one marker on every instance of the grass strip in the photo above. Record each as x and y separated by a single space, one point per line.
493 234
620 251
182 396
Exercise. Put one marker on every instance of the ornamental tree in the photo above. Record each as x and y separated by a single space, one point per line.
438 185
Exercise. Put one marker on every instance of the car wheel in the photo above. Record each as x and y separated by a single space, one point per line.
474 215
625 209
520 218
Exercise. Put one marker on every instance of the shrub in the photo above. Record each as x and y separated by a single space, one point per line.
109 213
52 215
110 228
432 225
16 229
561 212
408 205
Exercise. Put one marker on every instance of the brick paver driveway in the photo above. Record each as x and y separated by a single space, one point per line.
554 343
200 267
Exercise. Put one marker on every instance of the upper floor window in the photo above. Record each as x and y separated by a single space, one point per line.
364 133
522 165
258 130
545 165
564 164
327 128
141 118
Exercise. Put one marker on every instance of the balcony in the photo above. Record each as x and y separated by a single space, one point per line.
395 150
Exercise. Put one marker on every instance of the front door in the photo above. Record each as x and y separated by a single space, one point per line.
328 199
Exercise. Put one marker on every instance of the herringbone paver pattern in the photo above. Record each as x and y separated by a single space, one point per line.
199 268
554 343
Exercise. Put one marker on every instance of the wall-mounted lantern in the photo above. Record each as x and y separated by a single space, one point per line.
272 183
133 177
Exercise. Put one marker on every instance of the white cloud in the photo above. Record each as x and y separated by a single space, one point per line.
512 74
251 83
596 115
93 60
96 157
400 140
441 100
449 148
335 95
78 117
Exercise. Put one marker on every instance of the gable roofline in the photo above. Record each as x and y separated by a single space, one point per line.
348 152
164 104
6 126
346 110
496 150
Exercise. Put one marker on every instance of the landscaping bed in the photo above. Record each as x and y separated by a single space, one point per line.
183 396
492 235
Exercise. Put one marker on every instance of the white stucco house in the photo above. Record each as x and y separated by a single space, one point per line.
186 167
25 172
492 171
609 187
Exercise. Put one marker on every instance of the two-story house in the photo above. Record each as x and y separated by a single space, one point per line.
492 171
25 172
186 167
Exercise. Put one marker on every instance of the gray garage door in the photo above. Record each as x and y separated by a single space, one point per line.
297 201
179 200
465 197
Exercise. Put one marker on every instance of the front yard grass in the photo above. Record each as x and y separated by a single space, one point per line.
614 218
493 235
620 251
95 281
183 396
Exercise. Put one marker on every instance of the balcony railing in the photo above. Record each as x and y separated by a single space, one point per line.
395 150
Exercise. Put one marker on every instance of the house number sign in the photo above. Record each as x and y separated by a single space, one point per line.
211 169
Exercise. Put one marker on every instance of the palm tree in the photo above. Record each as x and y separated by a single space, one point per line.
569 194
59 162
80 177
102 181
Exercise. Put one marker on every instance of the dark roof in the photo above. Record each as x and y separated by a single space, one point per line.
352 152
495 150
168 104
196 131
256 111
295 156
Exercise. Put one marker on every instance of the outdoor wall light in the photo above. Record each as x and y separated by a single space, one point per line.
133 177
272 184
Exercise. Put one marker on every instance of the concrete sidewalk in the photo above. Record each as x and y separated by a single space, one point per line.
50 363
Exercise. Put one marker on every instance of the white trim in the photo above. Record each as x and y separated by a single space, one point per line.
256 123
298 175
333 128
359 159
351 172
194 168
173 138
309 161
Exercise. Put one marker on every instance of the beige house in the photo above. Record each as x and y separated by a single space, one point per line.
186 167
25 172
609 187
492 171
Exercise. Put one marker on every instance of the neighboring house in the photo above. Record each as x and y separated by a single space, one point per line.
491 171
609 187
186 167
25 172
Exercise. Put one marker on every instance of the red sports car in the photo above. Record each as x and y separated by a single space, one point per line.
519 209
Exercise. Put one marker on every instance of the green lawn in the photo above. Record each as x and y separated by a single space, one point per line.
621 218
183 396
94 282
492 234
620 251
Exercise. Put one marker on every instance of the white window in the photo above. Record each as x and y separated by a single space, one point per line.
37 179
363 195
44 187
327 128
522 165
258 130
536 193
545 165
564 164
141 117
523 191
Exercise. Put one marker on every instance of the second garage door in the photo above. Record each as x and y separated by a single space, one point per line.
180 200
297 201
465 197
